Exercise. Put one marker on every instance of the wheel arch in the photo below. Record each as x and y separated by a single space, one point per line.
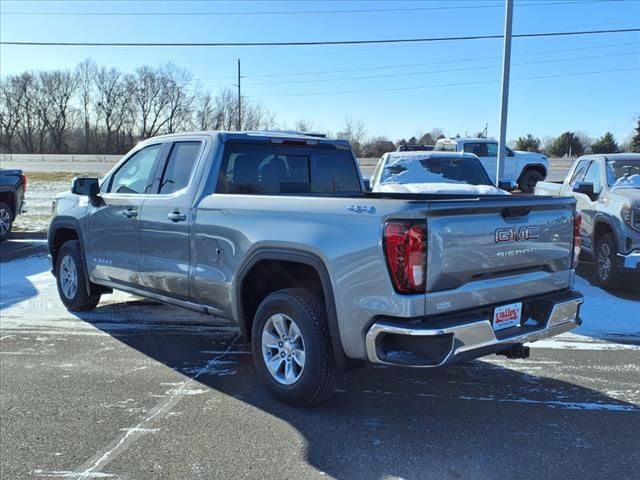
9 198
61 230
533 166
288 256
601 226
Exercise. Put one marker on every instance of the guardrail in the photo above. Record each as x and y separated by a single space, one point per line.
22 157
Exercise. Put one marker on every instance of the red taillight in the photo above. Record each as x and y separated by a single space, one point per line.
577 242
405 249
24 184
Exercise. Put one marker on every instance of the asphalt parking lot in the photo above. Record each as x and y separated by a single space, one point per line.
136 390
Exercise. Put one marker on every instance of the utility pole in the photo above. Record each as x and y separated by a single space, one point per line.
239 99
506 66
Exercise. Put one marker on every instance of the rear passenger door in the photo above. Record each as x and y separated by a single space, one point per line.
165 220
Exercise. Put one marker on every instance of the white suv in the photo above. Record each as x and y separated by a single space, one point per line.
524 168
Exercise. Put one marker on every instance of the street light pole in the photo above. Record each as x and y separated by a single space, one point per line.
506 66
239 100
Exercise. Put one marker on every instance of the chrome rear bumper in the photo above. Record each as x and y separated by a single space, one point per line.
630 261
445 341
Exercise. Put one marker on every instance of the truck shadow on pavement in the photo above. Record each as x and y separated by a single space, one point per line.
484 419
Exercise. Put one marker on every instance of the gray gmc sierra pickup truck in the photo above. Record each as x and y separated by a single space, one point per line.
607 192
276 231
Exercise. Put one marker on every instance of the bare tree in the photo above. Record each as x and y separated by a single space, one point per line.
354 132
86 72
112 106
54 105
147 91
204 111
9 110
304 126
180 100
31 128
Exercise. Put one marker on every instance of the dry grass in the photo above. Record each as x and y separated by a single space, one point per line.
57 176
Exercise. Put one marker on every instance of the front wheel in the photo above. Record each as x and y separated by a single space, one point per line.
606 262
292 348
528 181
6 220
71 281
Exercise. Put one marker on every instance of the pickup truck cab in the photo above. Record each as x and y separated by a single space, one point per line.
607 192
276 232
524 168
13 186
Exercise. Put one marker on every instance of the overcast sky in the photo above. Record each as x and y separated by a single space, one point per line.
585 83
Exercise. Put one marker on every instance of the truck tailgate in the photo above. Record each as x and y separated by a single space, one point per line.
490 251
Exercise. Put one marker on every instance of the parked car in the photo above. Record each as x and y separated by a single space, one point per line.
607 191
13 186
276 232
414 147
432 172
524 168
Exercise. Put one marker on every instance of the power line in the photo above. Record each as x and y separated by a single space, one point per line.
312 12
317 42
423 64
460 84
430 72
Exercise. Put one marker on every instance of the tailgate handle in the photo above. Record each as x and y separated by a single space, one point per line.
511 212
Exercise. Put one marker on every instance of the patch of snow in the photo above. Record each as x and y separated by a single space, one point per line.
628 181
452 188
605 315
414 178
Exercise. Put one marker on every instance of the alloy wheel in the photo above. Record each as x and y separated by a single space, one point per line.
283 349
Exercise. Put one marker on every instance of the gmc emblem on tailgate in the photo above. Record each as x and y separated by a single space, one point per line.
515 234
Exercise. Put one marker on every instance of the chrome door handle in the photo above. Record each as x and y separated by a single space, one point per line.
130 213
177 217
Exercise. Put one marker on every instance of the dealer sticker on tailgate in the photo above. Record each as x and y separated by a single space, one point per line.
507 316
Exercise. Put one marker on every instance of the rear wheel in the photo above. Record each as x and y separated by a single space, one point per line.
292 349
6 220
606 262
71 280
527 183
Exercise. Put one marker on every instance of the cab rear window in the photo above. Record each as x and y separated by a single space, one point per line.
290 170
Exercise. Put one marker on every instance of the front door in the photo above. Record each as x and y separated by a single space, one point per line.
165 222
112 243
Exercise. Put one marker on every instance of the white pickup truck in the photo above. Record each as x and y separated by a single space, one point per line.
524 168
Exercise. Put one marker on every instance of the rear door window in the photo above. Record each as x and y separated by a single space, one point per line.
474 148
268 170
492 149
179 167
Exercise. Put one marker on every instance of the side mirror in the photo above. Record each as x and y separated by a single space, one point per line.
507 185
367 184
88 187
585 188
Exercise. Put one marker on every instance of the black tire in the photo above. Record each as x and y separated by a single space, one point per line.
528 181
605 261
319 375
6 220
78 299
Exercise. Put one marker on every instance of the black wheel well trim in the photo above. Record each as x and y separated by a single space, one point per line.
11 199
604 220
294 256
532 166
68 223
